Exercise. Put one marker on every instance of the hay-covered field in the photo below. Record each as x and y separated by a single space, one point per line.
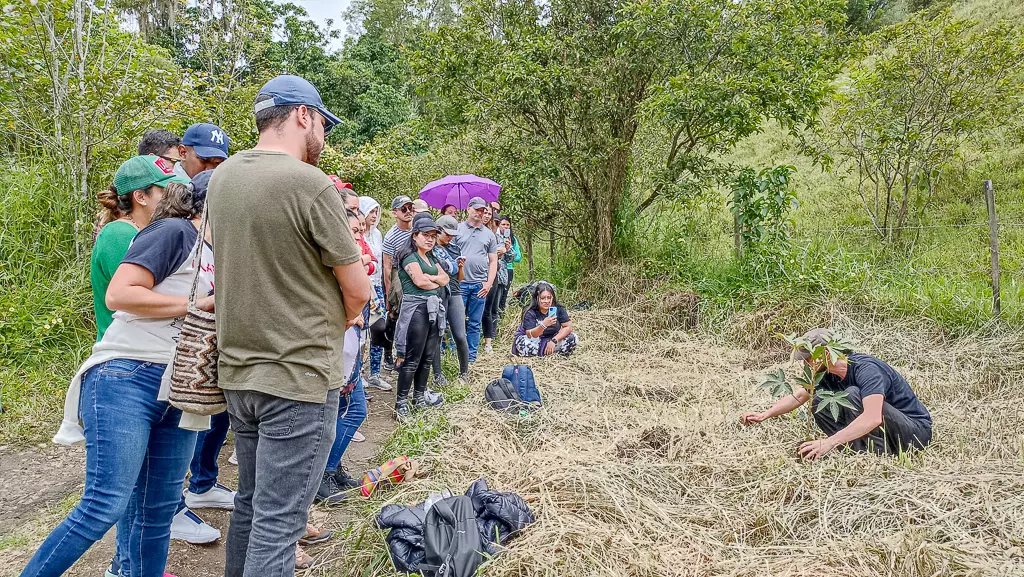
638 465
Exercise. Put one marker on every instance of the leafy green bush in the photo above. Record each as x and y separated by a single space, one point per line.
46 322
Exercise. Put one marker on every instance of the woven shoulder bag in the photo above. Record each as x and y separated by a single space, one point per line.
194 370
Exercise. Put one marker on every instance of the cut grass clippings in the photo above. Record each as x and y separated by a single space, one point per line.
638 466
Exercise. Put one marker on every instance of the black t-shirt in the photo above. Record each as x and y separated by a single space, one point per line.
875 377
162 247
532 318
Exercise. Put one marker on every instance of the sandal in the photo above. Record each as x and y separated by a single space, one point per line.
315 536
302 559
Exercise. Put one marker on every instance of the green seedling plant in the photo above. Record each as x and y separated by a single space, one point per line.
811 374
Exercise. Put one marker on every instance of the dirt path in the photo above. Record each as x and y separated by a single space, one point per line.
40 485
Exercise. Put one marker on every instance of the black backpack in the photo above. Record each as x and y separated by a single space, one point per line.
502 395
451 539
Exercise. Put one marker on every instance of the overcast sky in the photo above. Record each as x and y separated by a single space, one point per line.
320 10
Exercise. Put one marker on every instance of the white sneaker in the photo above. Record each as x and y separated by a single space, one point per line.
219 497
377 382
188 527
233 459
488 348
358 437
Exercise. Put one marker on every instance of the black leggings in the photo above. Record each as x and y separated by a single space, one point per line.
421 345
456 313
504 295
491 314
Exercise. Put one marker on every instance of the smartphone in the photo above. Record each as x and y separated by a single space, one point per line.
553 312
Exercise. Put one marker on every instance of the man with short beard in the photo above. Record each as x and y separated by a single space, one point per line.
283 251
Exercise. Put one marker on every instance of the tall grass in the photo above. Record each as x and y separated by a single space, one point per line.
941 272
46 322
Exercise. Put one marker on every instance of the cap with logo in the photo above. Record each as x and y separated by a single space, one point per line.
449 225
400 201
477 202
142 172
208 140
288 89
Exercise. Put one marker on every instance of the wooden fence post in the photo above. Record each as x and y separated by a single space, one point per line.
993 243
529 251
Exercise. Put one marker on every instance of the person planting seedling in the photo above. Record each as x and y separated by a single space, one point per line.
870 406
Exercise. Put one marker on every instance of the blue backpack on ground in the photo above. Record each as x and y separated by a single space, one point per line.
521 377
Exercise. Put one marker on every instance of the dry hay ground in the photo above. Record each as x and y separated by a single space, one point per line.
638 466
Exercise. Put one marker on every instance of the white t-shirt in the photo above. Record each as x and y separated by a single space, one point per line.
165 249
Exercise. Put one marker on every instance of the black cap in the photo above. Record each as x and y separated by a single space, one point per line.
424 223
200 183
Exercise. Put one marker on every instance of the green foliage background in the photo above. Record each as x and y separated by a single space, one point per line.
69 116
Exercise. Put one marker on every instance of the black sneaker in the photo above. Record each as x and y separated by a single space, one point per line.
344 480
402 408
440 381
427 399
389 363
329 492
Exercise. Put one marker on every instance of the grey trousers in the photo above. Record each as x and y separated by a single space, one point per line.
457 323
897 433
282 448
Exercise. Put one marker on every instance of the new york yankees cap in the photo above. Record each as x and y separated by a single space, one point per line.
208 140
290 89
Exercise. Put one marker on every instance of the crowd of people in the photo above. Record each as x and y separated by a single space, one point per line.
304 278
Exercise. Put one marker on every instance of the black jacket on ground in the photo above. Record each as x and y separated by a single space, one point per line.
499 517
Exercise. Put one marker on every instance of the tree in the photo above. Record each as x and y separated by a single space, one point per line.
924 90
580 77
74 87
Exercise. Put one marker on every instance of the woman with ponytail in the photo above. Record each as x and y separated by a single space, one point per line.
125 209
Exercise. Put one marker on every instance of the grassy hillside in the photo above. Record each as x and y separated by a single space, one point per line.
942 269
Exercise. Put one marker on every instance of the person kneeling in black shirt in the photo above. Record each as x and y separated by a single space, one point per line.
887 416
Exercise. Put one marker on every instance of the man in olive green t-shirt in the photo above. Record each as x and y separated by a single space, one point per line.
283 250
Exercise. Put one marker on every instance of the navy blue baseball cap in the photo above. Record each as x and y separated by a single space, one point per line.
200 183
208 140
288 89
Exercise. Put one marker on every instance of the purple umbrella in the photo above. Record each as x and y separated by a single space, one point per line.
458 189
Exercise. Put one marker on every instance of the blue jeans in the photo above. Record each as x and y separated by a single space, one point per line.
133 445
351 414
204 470
351 410
474 315
204 466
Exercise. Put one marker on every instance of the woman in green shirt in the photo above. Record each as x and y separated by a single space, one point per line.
421 320
127 208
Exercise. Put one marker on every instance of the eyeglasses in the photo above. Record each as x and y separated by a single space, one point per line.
171 159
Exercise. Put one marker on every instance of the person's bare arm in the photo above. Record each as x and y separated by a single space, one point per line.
386 273
131 290
355 290
492 271
781 407
565 331
423 281
441 278
868 420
